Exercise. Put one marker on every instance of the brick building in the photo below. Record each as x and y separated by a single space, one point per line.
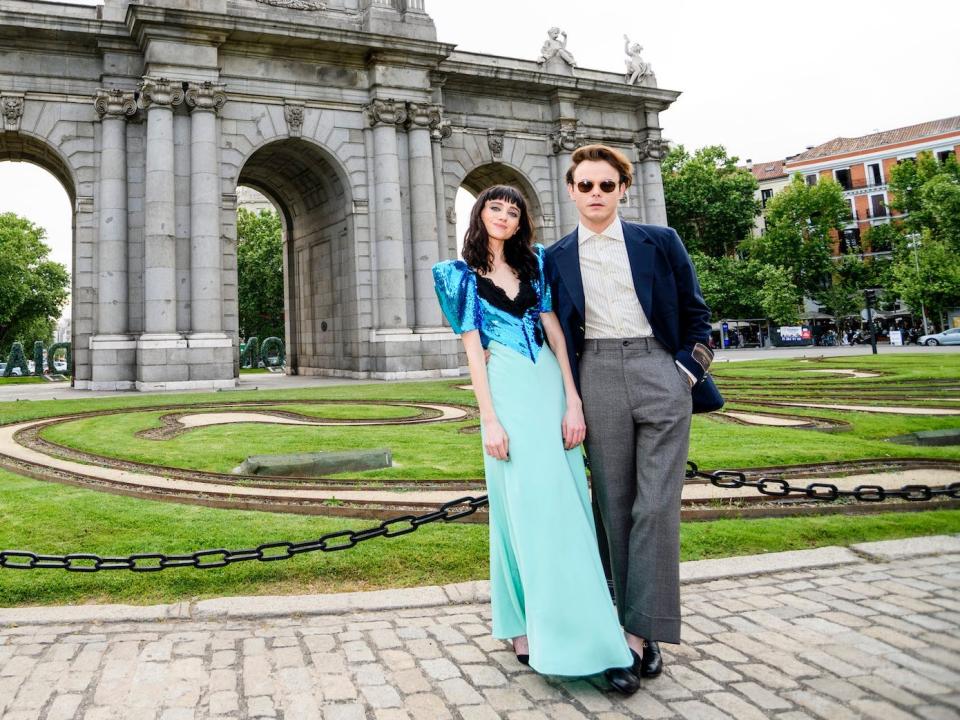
862 165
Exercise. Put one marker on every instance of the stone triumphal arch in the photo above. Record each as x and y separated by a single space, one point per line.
348 114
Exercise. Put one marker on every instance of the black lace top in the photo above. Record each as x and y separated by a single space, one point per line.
495 295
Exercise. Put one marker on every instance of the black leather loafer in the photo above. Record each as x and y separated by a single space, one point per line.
622 680
523 658
651 664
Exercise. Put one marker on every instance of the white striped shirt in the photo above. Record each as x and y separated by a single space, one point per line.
610 299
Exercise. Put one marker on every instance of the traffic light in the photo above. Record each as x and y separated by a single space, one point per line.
870 295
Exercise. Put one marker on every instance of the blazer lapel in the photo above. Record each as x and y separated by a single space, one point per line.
568 264
641 252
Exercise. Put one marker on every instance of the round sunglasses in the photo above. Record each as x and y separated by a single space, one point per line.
607 186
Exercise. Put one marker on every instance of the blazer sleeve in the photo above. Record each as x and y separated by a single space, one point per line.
456 288
694 353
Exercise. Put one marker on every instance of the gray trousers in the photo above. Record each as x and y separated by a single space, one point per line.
637 407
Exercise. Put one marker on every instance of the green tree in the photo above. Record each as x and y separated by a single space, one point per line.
798 238
926 243
735 288
710 201
929 193
260 273
33 288
928 275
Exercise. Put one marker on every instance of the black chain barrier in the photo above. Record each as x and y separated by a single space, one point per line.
404 524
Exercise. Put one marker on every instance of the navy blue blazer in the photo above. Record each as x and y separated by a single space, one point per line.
665 282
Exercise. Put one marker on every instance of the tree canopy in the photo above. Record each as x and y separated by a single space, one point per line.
799 220
260 273
33 288
710 201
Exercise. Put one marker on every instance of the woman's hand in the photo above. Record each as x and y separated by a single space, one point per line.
573 426
495 441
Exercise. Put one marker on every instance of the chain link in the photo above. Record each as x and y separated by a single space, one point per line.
448 512
221 557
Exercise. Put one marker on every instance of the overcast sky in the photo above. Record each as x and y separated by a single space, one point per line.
765 79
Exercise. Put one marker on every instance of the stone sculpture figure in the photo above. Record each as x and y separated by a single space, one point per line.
637 69
553 46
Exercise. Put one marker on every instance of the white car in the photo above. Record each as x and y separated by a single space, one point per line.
947 337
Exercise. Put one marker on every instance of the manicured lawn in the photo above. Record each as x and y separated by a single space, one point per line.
51 518
56 519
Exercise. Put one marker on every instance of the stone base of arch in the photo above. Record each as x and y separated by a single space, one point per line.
197 361
401 355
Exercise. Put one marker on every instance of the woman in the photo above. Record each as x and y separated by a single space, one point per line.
547 586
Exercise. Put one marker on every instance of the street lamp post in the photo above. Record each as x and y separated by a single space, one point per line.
913 242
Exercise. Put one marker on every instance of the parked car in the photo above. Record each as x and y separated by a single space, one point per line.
60 366
950 336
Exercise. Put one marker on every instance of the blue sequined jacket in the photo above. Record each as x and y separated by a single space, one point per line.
513 322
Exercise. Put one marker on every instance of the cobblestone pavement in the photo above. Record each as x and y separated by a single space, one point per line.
866 639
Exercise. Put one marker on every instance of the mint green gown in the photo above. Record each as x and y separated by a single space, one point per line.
546 580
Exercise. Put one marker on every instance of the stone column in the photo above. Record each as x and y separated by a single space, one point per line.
564 140
206 307
112 350
384 116
439 131
651 149
423 211
160 96
113 107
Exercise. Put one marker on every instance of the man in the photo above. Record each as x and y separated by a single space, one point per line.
636 329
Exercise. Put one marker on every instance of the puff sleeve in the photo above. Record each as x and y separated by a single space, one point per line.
456 288
546 295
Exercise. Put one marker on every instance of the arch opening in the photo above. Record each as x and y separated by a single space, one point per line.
310 191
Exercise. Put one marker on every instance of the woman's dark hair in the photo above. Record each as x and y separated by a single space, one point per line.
517 251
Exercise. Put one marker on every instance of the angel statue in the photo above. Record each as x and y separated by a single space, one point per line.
637 69
553 46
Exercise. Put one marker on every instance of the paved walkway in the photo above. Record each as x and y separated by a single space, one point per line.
869 632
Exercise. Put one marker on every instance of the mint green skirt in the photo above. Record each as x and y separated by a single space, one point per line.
546 580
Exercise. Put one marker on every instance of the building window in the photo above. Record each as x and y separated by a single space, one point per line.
874 175
812 179
853 209
843 177
878 208
943 155
850 241
765 195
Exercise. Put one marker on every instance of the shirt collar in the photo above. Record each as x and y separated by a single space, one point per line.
614 231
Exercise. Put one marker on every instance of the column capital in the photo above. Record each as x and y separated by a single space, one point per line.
160 92
205 96
422 115
385 112
115 103
651 148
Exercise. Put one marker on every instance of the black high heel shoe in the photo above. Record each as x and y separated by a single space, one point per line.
523 659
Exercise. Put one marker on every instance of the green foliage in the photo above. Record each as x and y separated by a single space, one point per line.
16 359
68 352
799 221
926 268
32 288
852 275
930 275
735 288
272 343
38 358
710 201
250 353
260 273
930 192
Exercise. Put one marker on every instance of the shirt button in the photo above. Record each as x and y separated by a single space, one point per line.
626 343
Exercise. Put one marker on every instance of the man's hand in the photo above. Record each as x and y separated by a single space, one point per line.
495 441
573 427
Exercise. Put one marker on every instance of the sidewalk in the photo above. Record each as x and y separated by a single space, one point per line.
867 632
